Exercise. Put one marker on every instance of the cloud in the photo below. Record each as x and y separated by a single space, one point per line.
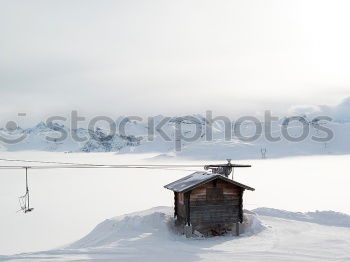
339 113
152 57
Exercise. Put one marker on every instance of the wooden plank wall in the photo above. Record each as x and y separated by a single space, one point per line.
180 209
209 210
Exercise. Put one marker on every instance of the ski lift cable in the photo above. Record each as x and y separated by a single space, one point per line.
100 167
83 165
70 164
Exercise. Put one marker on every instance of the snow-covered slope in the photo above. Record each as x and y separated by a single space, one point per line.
330 218
155 223
137 140
148 236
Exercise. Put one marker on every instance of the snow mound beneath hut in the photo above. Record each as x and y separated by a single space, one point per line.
153 223
149 236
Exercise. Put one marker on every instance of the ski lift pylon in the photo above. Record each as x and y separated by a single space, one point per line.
24 200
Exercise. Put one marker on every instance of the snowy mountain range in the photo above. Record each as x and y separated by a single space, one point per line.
169 141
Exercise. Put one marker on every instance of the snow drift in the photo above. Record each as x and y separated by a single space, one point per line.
329 218
148 236
156 222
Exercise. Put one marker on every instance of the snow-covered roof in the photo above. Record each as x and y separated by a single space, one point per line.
199 178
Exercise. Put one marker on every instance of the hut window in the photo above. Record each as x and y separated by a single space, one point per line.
214 194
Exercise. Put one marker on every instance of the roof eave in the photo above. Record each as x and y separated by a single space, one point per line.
208 180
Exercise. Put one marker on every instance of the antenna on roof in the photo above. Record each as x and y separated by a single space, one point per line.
224 169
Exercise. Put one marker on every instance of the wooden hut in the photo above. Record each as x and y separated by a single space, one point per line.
211 204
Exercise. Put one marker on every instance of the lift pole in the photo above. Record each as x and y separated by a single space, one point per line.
27 189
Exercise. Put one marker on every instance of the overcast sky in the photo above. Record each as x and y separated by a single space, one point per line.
171 57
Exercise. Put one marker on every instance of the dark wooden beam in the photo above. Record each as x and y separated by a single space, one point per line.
237 229
241 206
187 206
176 198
